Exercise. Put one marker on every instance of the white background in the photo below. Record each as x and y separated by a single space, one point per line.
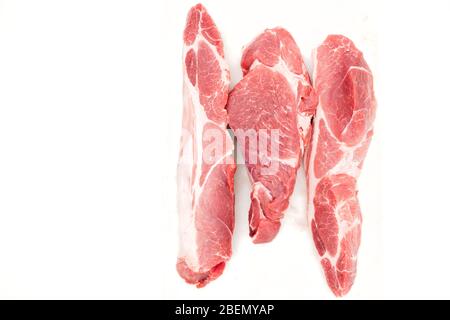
90 114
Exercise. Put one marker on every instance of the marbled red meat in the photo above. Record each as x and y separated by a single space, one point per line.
342 130
275 96
205 179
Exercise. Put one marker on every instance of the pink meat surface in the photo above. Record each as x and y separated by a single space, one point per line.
275 94
342 130
205 177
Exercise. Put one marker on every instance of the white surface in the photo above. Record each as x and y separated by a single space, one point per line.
90 116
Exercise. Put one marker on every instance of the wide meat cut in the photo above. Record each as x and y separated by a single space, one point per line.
205 173
342 130
274 102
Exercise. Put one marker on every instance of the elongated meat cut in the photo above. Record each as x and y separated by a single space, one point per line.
206 164
342 130
270 112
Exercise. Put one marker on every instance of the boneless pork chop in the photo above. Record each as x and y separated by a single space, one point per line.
206 164
342 131
270 112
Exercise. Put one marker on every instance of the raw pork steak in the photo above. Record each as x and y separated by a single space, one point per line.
205 174
341 136
274 102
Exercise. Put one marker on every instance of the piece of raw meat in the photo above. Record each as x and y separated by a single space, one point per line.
342 131
206 164
270 112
